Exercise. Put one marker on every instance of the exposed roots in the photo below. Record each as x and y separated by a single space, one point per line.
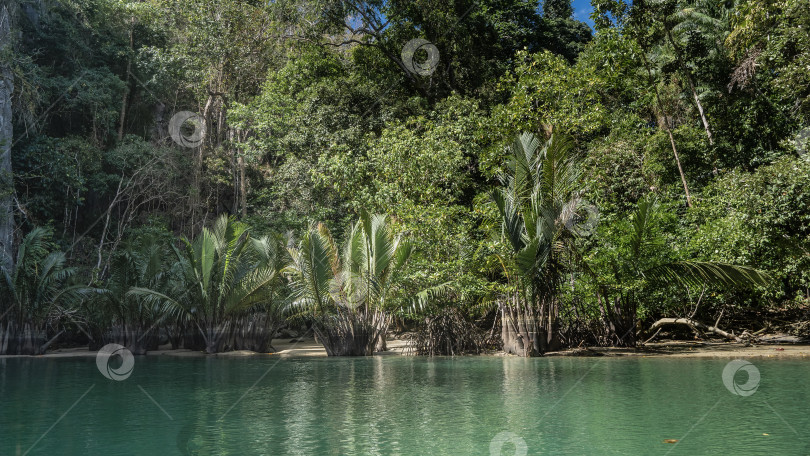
448 333
352 333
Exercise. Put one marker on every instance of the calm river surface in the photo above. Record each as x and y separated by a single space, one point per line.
402 406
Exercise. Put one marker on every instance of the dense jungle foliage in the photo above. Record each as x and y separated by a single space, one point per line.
538 183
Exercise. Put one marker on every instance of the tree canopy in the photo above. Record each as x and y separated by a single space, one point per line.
683 115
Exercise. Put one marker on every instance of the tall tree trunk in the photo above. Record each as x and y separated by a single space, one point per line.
688 75
678 161
6 135
123 116
196 200
242 186
669 130
234 171
238 163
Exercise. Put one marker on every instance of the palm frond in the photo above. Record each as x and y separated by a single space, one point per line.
513 225
696 273
429 297
642 220
167 303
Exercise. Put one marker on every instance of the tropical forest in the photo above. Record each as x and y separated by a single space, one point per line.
421 227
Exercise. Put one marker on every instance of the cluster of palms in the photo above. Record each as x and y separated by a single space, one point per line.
222 293
230 288
223 290
34 294
540 207
349 293
226 290
544 220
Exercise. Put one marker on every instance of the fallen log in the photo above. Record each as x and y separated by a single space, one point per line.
695 325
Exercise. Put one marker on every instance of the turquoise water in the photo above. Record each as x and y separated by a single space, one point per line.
401 406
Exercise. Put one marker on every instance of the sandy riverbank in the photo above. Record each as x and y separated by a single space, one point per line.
776 348
678 349
284 348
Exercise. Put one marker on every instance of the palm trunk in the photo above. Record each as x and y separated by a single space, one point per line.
618 318
6 136
30 340
352 333
217 337
529 326
175 334
255 333
5 333
139 342
521 330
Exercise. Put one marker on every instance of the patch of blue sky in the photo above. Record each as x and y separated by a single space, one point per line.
582 11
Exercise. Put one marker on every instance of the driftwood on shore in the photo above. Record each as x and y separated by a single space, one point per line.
695 325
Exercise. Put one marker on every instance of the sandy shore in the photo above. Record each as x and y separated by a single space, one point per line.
673 349
677 349
284 348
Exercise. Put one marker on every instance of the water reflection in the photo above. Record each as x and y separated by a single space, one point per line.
399 406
